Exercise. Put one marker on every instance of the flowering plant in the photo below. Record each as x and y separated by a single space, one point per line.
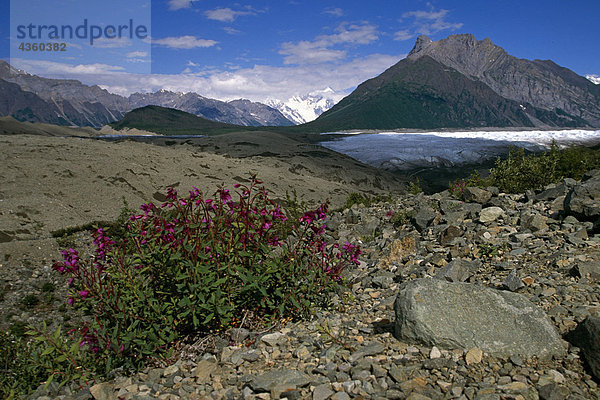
194 264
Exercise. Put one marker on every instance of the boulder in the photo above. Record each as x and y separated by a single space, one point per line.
583 201
490 214
449 234
458 270
460 315
587 269
534 222
552 192
268 380
476 195
587 337
424 217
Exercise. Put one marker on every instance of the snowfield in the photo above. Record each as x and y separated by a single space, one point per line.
408 150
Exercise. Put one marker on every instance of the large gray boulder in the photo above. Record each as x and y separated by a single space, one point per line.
434 312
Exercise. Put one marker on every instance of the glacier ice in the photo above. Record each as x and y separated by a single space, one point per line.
408 150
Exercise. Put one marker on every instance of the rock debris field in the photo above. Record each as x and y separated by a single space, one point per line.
494 296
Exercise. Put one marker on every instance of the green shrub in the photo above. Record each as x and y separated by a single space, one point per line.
414 187
30 301
195 265
17 374
521 172
457 188
364 200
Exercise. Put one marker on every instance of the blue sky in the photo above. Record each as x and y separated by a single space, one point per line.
277 49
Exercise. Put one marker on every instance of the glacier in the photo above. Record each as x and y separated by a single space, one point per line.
410 150
593 78
306 108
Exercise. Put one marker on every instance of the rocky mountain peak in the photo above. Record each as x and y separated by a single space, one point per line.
422 42
462 52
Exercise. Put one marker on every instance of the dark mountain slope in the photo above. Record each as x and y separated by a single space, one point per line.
27 106
460 82
543 84
424 94
169 121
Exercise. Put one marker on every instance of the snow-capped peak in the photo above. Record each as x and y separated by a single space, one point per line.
594 78
306 108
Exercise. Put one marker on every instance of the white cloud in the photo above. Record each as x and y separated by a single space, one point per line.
184 42
54 69
404 34
226 14
231 30
137 54
425 23
320 51
179 4
137 57
309 53
356 34
259 83
337 12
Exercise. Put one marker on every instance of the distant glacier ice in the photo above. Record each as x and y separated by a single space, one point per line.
408 150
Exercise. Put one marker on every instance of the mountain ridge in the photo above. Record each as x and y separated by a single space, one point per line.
461 82
78 104
528 81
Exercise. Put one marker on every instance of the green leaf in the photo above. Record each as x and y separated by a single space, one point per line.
61 358
48 350
49 381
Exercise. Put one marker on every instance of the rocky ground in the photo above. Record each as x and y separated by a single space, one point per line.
539 247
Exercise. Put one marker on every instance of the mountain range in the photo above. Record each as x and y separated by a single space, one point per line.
461 82
302 109
28 97
457 82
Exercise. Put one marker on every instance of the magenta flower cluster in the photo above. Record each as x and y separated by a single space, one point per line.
195 263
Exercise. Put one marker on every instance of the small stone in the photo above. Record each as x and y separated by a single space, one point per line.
490 214
444 385
368 350
103 391
528 280
280 391
267 380
553 391
251 355
424 218
273 339
514 387
473 356
340 396
515 359
322 392
435 353
203 370
557 376
170 370
239 334
302 353
535 222
458 270
513 282
417 396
